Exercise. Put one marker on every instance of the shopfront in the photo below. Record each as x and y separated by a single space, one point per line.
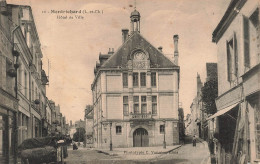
7 135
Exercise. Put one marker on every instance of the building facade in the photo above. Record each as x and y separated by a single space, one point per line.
188 125
237 120
197 110
89 125
24 107
136 93
198 113
8 95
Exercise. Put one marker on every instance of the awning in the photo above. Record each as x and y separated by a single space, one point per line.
223 111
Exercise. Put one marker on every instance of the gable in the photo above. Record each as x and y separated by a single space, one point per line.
137 42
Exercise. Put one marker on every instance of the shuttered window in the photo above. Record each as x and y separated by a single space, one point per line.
246 42
229 60
232 59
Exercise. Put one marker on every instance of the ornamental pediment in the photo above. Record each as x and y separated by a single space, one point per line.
139 59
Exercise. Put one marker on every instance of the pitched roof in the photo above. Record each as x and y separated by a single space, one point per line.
231 12
136 41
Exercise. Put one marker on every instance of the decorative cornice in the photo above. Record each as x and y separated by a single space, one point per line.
7 94
231 12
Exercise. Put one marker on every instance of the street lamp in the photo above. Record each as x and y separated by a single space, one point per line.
16 66
164 142
111 145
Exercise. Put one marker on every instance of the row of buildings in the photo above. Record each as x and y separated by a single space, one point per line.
196 122
25 110
233 131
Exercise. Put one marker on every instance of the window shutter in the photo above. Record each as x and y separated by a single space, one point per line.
246 42
235 55
228 63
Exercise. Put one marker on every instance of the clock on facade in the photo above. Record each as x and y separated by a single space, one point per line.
139 55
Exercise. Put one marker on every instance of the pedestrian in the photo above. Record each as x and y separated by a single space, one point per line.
194 141
75 147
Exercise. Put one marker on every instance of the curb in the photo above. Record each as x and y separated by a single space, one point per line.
115 154
106 153
172 149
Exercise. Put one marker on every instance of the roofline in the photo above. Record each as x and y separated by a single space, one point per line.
33 23
126 42
231 12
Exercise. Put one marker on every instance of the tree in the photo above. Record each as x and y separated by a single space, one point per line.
209 94
79 136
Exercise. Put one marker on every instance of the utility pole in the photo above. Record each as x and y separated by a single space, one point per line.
16 66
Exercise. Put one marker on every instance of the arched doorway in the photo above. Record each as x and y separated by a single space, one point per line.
140 138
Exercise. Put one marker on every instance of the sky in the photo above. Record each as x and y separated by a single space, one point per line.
72 46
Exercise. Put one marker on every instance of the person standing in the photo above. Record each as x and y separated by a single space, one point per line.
194 141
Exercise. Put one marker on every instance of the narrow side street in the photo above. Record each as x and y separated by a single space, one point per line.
186 154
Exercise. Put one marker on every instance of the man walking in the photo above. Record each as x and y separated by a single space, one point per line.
194 141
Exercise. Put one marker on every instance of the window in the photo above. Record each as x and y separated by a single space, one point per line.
229 59
136 104
125 103
19 76
153 79
143 104
125 80
33 92
25 84
232 59
257 126
162 128
135 79
250 28
154 104
118 130
143 79
246 42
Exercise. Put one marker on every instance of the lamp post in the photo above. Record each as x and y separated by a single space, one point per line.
164 142
16 66
111 145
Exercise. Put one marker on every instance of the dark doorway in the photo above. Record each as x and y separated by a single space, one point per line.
141 138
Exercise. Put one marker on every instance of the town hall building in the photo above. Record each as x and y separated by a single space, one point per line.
136 93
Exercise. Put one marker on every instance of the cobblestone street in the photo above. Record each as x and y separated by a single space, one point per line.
186 154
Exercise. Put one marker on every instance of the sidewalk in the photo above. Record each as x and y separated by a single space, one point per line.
139 152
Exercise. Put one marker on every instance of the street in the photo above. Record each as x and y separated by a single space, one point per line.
186 154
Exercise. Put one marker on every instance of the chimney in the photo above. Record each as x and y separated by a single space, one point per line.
3 7
111 51
160 48
176 52
124 35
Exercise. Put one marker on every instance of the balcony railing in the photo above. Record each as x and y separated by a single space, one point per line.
140 116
